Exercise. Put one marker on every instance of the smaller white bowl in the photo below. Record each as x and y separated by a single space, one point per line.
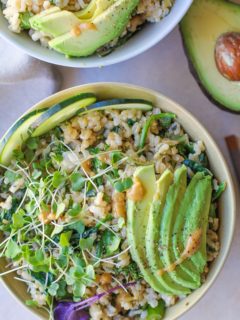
140 42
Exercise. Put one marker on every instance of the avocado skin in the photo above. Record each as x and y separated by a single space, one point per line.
227 107
201 86
109 25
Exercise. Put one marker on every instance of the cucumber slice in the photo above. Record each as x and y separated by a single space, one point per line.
17 135
121 104
61 112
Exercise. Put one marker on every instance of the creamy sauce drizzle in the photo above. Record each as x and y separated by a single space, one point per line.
192 246
137 191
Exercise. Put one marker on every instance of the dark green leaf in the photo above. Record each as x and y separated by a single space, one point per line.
123 185
75 210
32 143
13 250
116 156
217 193
18 220
130 122
78 226
65 238
196 167
58 179
77 181
111 242
86 243
24 20
93 150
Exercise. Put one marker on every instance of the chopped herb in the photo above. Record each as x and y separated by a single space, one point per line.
24 20
116 129
130 122
93 150
115 156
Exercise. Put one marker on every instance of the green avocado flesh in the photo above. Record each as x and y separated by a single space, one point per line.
161 224
94 8
173 201
108 26
137 219
203 24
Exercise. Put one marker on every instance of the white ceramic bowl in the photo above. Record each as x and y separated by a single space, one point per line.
145 39
227 203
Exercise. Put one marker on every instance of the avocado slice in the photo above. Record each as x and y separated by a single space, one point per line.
173 201
55 24
203 24
137 220
94 8
188 204
198 220
153 234
108 26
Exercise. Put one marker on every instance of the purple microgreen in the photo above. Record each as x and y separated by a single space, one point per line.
67 310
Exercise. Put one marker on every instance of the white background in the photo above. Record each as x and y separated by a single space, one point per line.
163 68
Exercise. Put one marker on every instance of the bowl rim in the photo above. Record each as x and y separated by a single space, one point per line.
179 108
97 61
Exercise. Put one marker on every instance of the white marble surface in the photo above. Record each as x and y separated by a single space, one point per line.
164 68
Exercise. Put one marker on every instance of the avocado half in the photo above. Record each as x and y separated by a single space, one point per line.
200 28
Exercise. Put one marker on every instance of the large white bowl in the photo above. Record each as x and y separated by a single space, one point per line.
227 203
145 39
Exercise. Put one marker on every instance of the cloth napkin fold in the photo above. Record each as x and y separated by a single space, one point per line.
23 82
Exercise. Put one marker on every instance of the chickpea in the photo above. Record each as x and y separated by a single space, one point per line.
105 278
119 205
87 166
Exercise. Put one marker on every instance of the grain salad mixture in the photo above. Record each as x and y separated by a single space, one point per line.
64 216
22 16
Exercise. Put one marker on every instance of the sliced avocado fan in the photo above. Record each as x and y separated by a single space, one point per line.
173 200
137 221
203 24
82 33
56 22
188 205
107 26
161 227
94 8
153 235
198 220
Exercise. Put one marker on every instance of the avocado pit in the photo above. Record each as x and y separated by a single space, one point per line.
227 55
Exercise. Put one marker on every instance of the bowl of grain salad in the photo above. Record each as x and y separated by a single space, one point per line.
88 33
115 203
